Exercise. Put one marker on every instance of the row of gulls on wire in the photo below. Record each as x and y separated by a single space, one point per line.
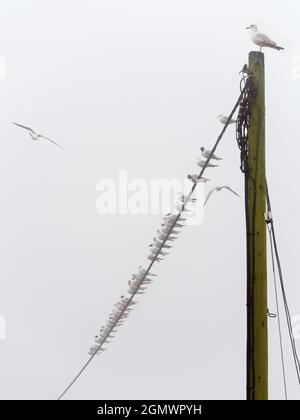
159 248
36 136
203 163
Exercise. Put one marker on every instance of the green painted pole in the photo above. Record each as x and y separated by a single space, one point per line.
257 317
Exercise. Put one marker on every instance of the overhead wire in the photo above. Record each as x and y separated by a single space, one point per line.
270 221
278 315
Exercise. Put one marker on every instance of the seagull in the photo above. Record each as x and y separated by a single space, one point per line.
262 40
195 178
207 154
179 207
35 136
219 189
223 119
203 163
182 198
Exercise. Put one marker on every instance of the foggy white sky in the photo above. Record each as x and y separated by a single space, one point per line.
136 86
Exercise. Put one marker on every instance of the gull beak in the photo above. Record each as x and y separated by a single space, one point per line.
248 27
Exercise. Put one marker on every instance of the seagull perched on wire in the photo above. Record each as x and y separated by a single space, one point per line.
223 119
195 178
202 163
219 189
35 136
262 40
207 154
183 198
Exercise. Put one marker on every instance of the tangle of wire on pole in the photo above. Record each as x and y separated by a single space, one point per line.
248 86
242 124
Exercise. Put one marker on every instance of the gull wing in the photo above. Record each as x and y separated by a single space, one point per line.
52 141
23 126
209 195
230 189
264 39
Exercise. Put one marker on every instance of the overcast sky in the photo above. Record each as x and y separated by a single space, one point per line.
136 86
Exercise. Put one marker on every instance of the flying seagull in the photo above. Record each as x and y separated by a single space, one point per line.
223 119
35 136
261 39
219 189
207 154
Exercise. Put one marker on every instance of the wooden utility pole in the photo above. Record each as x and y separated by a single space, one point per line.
257 317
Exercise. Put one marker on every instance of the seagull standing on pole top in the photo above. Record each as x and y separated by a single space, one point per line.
35 136
223 119
262 40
